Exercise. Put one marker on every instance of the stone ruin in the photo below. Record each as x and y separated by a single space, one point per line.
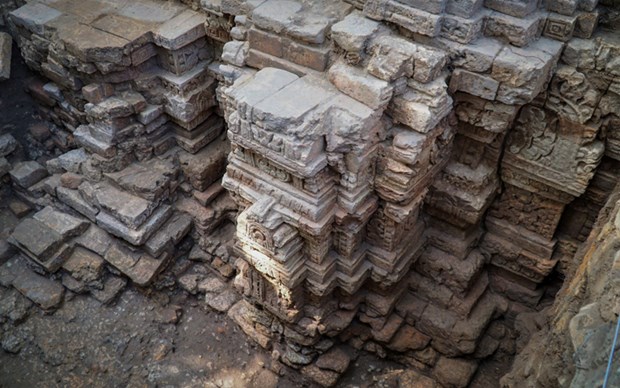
403 177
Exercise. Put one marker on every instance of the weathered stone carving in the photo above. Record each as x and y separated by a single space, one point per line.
400 173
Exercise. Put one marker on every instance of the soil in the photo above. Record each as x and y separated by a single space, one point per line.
162 338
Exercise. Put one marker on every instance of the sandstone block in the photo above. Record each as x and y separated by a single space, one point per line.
454 372
474 84
364 88
84 265
517 31
97 93
180 30
564 7
46 293
586 24
408 338
26 174
463 8
517 8
462 30
410 18
392 58
134 236
73 199
353 32
336 359
8 144
559 27
235 52
34 17
325 378
428 64
65 225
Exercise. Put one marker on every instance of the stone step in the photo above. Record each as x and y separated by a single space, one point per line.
83 137
67 226
455 273
46 293
149 180
170 234
26 174
140 267
42 244
134 236
74 200
514 30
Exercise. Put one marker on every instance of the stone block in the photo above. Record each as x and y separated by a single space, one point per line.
564 7
353 32
476 56
70 161
586 24
112 287
410 18
34 17
462 30
84 138
84 265
45 293
97 93
392 58
41 243
434 6
149 114
8 144
474 84
26 174
6 44
428 63
180 30
235 53
523 73
275 16
516 31
149 180
454 372
266 42
363 87
73 199
336 359
169 234
95 239
408 338
65 225
134 236
559 27
463 8
517 8
315 58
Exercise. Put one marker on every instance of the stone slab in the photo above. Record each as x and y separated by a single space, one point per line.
26 174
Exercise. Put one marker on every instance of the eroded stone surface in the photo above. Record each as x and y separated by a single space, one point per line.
404 178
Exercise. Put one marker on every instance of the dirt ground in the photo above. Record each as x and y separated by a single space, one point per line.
157 338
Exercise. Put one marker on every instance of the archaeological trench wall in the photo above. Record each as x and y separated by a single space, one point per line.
410 178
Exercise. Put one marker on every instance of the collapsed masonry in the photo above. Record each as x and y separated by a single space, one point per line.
403 175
